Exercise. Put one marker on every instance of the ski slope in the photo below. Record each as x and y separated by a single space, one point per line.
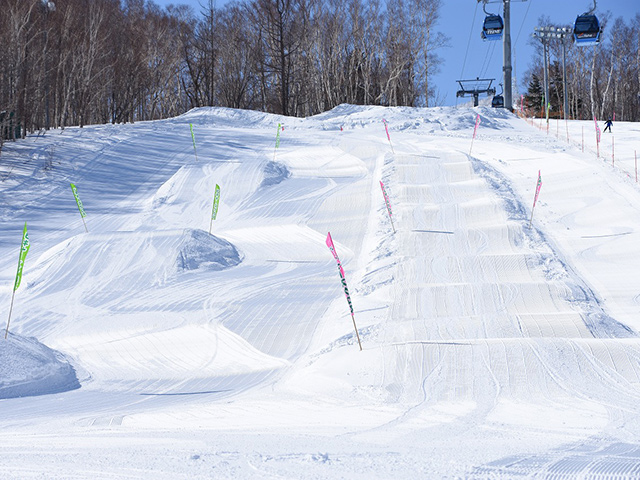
496 343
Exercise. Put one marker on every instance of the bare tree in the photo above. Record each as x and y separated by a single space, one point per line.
277 22
127 60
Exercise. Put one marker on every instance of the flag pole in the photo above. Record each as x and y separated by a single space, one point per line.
356 329
6 333
531 219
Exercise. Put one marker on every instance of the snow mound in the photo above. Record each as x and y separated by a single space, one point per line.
235 118
274 173
323 161
29 368
199 249
465 118
432 120
191 353
348 110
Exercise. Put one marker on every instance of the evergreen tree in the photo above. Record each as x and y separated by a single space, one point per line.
556 89
534 95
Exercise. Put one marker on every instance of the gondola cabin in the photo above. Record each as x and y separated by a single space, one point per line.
492 28
497 101
586 30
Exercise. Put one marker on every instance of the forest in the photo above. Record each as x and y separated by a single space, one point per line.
79 62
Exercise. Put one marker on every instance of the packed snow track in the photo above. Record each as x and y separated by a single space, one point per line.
498 341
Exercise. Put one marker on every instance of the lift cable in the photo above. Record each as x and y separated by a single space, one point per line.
523 20
469 41
488 60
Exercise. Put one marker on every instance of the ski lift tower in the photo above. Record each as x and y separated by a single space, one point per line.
506 50
475 87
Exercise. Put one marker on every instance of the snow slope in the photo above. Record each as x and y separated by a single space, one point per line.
492 347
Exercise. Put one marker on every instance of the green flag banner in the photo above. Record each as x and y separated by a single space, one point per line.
24 248
193 139
278 135
78 201
214 210
216 201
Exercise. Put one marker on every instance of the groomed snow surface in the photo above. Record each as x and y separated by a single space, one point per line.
492 347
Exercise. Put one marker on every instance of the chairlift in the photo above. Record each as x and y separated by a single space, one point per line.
498 100
586 30
493 25
475 87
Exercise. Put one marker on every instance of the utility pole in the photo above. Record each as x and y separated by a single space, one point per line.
545 60
565 93
544 34
541 34
506 56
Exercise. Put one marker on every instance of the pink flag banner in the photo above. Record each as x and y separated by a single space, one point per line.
475 129
335 255
386 200
332 247
598 133
386 129
535 198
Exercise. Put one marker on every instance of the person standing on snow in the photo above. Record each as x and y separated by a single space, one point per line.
608 124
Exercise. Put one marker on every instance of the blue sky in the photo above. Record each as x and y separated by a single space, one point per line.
461 20
484 59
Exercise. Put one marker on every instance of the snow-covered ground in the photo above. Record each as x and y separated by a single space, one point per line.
492 347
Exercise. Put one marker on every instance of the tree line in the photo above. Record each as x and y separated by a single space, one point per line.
603 81
79 62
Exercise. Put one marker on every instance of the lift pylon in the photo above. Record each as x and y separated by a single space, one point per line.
475 88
